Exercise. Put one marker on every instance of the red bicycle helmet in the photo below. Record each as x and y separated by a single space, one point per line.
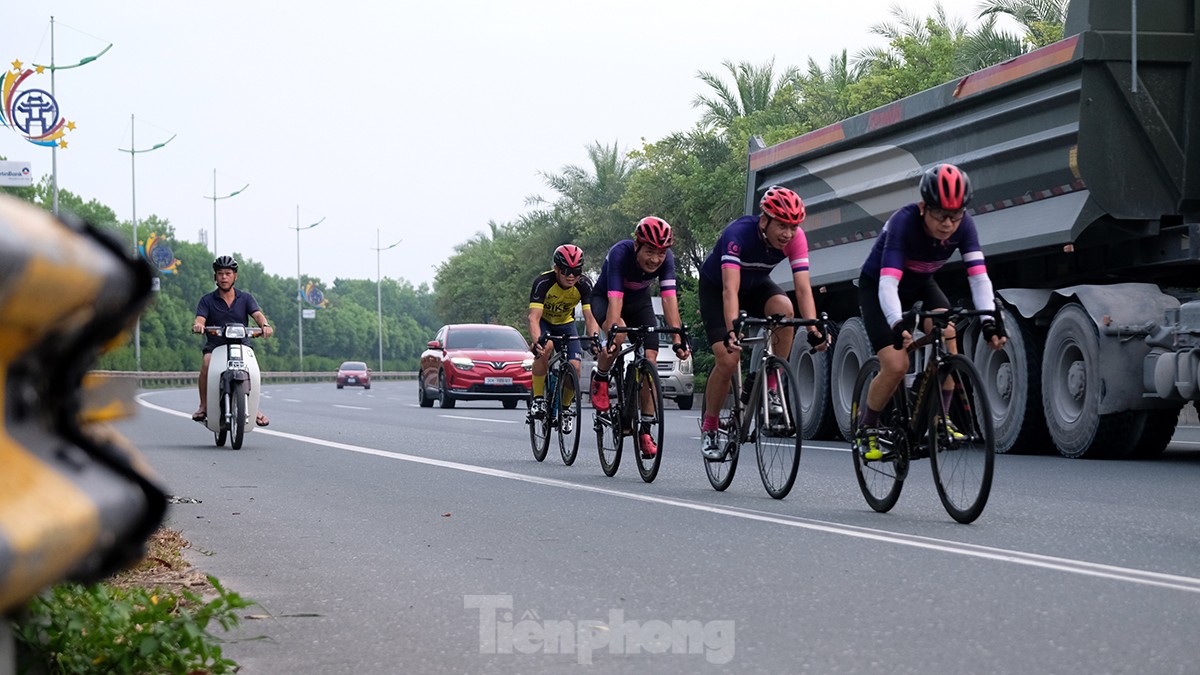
946 187
568 256
654 231
783 205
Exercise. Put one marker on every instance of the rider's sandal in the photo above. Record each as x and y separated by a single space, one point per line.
199 416
262 420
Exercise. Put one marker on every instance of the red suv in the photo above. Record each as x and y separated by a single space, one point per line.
473 362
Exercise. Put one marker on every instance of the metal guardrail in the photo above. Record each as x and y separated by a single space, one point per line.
152 379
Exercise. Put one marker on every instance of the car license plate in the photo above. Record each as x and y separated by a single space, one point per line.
352 380
497 380
235 365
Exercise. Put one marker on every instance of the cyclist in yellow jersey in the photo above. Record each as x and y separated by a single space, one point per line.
552 303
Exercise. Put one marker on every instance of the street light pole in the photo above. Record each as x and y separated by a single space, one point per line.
214 199
300 286
53 94
133 153
379 292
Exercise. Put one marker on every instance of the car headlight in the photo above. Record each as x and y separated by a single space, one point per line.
527 364
685 366
462 363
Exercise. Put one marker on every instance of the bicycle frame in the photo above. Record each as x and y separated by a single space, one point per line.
743 411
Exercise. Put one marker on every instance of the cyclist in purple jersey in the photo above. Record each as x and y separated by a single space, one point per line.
736 276
914 243
621 297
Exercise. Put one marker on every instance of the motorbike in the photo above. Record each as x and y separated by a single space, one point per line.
234 385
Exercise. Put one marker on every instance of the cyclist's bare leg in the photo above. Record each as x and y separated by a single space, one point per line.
569 394
647 393
781 340
609 354
893 364
724 366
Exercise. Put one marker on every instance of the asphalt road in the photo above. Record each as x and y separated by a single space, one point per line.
385 538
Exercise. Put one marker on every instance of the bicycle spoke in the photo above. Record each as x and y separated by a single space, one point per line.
568 409
607 424
880 480
720 472
961 440
777 441
648 421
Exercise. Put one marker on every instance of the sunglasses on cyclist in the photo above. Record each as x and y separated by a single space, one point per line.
940 215
571 271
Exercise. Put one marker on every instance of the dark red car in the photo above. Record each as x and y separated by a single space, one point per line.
354 374
475 362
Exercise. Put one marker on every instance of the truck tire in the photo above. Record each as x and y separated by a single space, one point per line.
1157 428
1071 391
685 402
1013 380
812 374
850 351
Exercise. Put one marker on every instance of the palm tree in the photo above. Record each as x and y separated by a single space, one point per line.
910 29
823 96
758 90
1042 20
586 209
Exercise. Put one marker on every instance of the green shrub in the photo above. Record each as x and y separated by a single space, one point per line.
99 628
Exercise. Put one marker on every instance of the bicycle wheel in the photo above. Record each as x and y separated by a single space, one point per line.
776 422
649 419
540 429
239 400
568 413
609 435
961 439
720 471
882 479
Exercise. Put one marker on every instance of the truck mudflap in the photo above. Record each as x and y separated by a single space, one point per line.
76 500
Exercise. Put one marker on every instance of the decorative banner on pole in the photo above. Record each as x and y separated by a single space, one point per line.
156 250
314 296
33 113
16 174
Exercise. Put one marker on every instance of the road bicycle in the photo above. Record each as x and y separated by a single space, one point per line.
916 424
561 378
635 402
749 415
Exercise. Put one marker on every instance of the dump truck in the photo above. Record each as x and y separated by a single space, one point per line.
1084 157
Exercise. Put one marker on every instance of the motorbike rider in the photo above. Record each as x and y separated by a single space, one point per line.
225 305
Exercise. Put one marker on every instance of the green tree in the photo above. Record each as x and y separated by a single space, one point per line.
1042 20
757 92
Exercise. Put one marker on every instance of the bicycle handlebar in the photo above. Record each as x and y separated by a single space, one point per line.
944 317
779 321
561 341
615 330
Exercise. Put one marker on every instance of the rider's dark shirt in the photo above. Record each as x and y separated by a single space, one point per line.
217 313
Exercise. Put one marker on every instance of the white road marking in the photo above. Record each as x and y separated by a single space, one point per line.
481 419
1067 565
350 407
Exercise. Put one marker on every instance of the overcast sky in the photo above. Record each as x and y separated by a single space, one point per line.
420 120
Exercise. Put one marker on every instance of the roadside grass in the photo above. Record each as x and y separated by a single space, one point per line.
156 617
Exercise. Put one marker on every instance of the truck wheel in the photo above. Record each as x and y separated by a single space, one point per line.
1157 426
812 374
1013 380
685 402
850 352
1071 390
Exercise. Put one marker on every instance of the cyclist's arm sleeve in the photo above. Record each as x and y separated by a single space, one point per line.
797 252
666 276
972 254
616 266
891 270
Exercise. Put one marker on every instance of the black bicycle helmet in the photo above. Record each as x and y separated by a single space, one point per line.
225 262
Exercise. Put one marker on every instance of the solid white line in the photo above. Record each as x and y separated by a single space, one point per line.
1070 566
481 419
350 407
